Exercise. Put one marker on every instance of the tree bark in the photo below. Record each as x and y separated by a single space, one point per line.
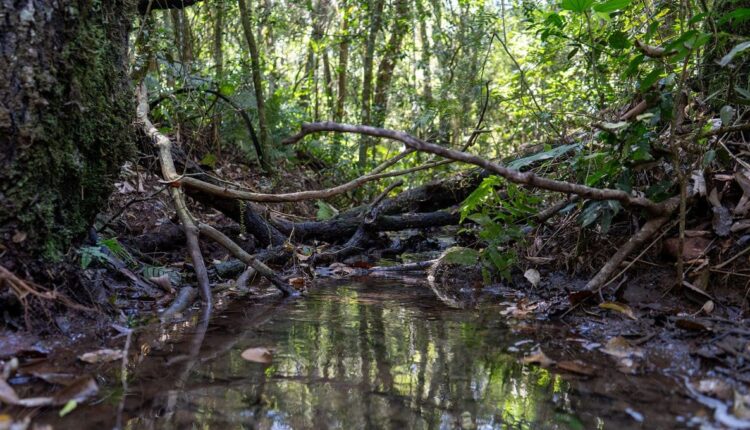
65 120
246 18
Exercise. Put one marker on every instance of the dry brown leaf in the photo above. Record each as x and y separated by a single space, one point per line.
715 388
19 236
101 356
576 366
257 355
163 282
79 390
619 307
538 357
619 347
8 394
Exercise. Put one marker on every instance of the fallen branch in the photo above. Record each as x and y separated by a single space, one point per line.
648 230
512 175
246 258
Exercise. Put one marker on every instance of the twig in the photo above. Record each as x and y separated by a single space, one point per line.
246 258
644 234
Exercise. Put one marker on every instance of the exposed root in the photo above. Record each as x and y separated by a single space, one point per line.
24 290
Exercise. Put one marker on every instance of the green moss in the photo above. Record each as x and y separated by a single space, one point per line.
83 136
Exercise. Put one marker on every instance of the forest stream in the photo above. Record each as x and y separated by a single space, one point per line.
372 354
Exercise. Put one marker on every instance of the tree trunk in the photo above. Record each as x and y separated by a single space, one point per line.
65 121
387 64
343 63
246 18
218 54
376 17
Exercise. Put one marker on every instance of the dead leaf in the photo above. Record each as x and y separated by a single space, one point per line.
19 236
715 388
163 282
101 356
533 276
694 247
699 182
341 269
124 187
7 394
577 297
538 357
79 390
297 282
741 407
257 355
619 347
576 366
692 325
619 307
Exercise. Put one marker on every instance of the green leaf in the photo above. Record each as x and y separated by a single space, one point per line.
227 89
577 6
745 94
68 408
482 193
325 211
708 157
546 155
461 256
611 6
651 79
737 15
209 160
619 40
727 114
736 50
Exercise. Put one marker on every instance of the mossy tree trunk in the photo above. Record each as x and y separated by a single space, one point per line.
66 109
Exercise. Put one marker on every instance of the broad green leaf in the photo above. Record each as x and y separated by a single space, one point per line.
727 114
736 50
742 92
651 79
546 155
461 256
737 15
611 5
577 6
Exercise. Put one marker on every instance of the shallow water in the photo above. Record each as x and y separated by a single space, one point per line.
375 355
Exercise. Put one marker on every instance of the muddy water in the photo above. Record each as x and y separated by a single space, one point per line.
375 355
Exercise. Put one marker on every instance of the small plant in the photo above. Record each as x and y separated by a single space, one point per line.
97 252
501 220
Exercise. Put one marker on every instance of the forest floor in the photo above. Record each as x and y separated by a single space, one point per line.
700 341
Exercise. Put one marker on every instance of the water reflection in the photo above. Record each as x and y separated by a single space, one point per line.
356 356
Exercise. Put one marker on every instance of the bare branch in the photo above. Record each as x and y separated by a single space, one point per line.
170 174
512 175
